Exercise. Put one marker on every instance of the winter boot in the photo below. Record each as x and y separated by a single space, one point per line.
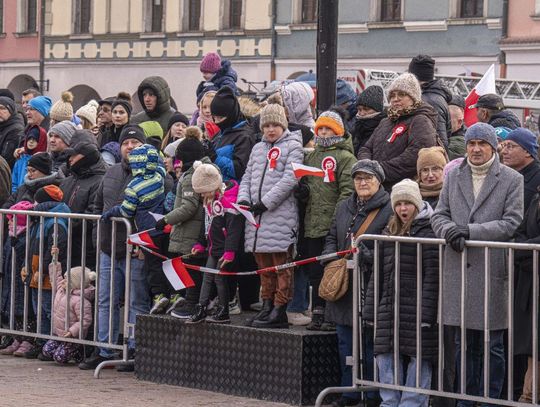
6 341
220 317
263 314
276 319
317 319
198 316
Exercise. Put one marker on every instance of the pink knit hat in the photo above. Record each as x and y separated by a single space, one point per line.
211 63
451 165
21 219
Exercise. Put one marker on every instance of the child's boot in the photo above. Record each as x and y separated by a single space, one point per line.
221 316
198 316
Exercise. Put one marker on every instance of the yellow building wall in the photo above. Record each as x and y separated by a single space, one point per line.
61 17
211 15
258 14
173 15
119 16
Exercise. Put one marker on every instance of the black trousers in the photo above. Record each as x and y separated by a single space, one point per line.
315 271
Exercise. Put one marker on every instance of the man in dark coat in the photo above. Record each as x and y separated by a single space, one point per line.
434 93
60 136
456 142
155 97
11 129
491 110
5 181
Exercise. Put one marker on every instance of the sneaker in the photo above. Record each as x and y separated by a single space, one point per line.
298 319
24 347
6 341
33 353
198 316
234 308
183 311
160 304
11 348
220 317
44 358
328 326
176 299
212 306
92 362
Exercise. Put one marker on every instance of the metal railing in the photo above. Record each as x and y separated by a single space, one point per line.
361 384
37 219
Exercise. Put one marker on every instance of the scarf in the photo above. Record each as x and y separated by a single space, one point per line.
327 141
429 191
395 114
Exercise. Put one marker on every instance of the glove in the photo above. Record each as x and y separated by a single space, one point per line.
244 203
455 232
458 244
301 192
160 224
258 209
112 213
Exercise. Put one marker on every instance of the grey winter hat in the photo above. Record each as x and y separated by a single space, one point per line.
369 167
407 82
65 130
482 131
406 190
373 97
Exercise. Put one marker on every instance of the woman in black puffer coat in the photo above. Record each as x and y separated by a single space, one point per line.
411 218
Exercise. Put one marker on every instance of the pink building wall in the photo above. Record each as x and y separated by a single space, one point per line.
520 23
13 46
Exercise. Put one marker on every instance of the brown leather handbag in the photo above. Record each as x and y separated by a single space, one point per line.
335 281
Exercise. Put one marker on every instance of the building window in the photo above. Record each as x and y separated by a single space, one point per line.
537 8
472 8
30 16
194 15
390 10
154 16
82 13
232 14
309 11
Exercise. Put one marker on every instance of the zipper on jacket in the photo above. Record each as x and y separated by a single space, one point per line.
260 197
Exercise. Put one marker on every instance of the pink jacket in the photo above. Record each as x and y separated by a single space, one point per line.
74 308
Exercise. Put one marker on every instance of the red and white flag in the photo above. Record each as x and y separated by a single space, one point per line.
177 274
246 214
301 170
485 86
142 239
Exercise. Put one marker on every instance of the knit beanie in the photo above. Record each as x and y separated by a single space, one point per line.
373 97
206 178
189 150
224 103
42 104
406 190
331 120
89 112
431 156
132 131
502 132
211 63
344 92
5 92
407 82
273 114
369 167
152 129
48 193
8 103
170 149
175 118
65 130
62 110
41 162
77 273
482 131
526 139
21 219
123 99
423 67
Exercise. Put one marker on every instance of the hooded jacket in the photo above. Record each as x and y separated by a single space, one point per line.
505 118
324 196
435 94
384 338
398 158
27 190
11 133
363 128
163 111
226 76
279 224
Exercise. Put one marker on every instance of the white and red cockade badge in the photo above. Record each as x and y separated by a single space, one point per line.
217 208
329 166
396 132
273 156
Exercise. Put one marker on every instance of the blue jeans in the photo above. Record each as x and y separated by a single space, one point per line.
300 299
474 364
394 398
139 301
46 299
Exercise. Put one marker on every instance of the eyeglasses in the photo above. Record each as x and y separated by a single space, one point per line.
432 170
364 178
509 146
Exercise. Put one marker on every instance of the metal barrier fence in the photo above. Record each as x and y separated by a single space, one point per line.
83 222
361 384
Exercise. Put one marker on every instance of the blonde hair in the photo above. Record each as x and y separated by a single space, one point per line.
210 93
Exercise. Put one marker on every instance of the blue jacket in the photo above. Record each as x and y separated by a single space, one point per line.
226 76
233 147
19 172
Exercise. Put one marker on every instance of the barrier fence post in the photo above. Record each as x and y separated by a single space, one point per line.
419 291
510 388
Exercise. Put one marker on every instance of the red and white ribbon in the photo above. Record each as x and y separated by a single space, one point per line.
396 132
272 156
329 166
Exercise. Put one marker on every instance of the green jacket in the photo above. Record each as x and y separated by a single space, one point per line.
324 196
187 217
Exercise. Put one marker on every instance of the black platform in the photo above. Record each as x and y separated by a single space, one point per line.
285 365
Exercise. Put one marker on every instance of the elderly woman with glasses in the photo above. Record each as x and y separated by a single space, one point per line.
430 165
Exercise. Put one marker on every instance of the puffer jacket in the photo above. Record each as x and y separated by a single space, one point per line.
11 132
61 305
505 118
226 225
279 224
163 111
27 190
340 311
226 76
324 196
187 217
232 149
384 335
437 95
398 158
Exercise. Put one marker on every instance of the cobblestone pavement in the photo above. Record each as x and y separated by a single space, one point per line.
26 382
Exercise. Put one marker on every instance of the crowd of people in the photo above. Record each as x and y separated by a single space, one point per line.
409 169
